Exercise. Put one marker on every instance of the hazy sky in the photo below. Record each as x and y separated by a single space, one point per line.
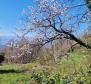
10 14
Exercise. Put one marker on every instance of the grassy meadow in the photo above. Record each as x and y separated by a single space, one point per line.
72 69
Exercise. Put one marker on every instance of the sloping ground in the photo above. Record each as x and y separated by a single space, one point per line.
87 38
74 69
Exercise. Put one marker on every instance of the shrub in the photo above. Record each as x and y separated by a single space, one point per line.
2 58
56 78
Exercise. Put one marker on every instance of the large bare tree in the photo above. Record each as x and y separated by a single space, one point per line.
57 19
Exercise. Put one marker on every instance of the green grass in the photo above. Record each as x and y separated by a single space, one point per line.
73 69
14 78
76 62
15 73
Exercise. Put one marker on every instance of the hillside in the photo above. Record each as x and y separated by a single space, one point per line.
4 40
74 69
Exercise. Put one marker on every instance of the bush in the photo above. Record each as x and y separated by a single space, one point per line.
56 78
2 58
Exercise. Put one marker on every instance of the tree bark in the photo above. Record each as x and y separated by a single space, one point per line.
77 40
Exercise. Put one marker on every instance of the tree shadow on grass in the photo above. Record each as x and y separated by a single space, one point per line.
10 71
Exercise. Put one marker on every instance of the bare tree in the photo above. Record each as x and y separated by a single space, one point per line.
20 51
55 19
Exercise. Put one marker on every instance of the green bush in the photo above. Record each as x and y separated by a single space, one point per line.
76 78
2 58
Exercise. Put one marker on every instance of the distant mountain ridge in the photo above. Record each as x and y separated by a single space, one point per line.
4 40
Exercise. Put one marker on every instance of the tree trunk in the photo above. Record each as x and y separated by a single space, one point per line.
77 40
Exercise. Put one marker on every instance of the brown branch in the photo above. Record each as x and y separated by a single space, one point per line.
72 37
77 40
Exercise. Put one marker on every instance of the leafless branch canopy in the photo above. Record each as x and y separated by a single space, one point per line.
54 19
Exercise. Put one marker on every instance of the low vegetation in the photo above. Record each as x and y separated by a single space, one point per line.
2 58
72 69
